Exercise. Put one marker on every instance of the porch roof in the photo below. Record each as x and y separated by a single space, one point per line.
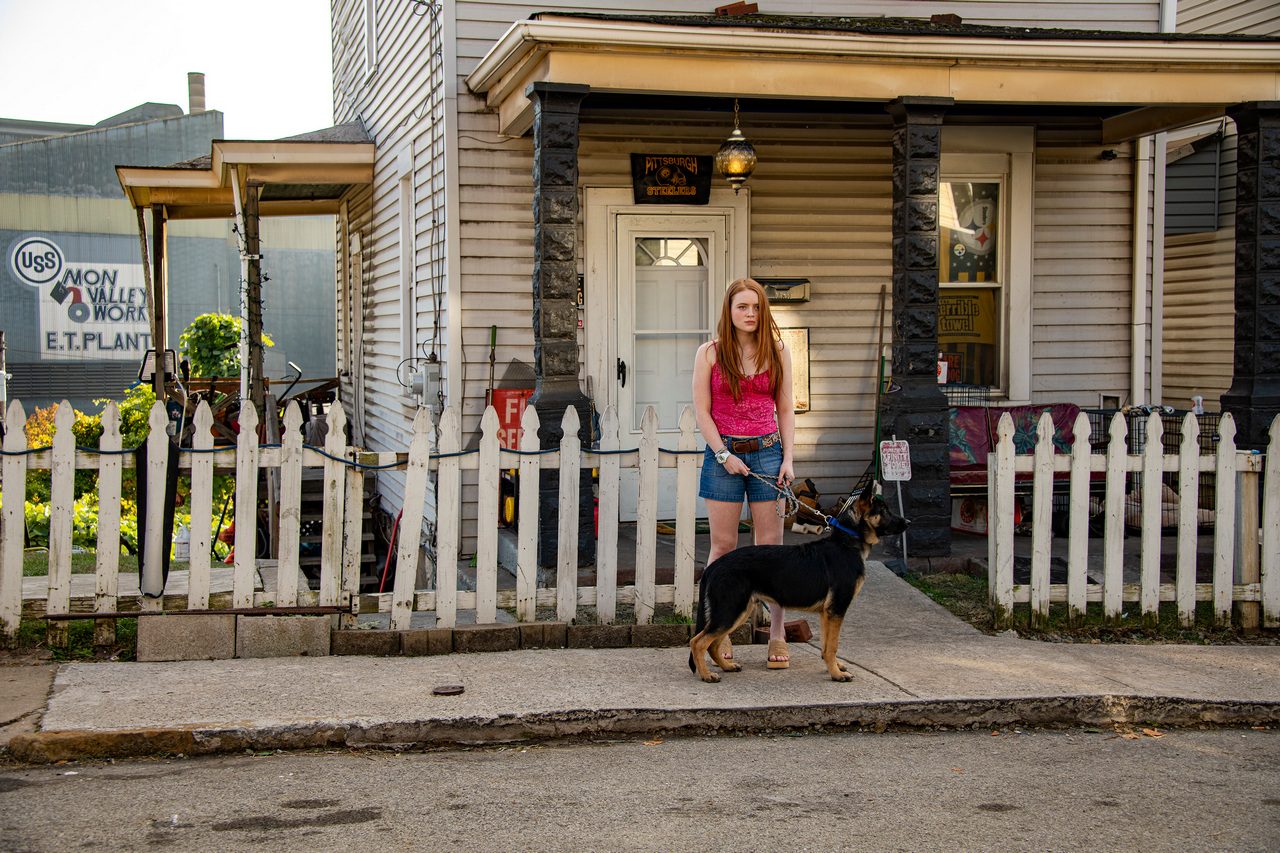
1133 84
300 175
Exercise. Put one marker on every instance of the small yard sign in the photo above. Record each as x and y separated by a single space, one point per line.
895 460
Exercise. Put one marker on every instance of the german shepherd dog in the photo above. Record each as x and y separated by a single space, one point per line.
822 576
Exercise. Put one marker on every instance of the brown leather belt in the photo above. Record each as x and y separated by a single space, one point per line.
746 445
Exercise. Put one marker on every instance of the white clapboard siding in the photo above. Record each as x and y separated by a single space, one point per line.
1152 463
1199 317
1221 17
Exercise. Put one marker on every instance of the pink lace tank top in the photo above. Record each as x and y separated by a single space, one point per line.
755 415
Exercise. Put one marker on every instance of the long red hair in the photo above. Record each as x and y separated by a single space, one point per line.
729 355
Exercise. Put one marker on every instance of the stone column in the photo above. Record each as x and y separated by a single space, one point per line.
1254 396
555 313
917 410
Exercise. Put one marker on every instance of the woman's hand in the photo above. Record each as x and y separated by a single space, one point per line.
786 474
735 465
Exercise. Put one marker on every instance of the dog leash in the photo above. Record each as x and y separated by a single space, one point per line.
786 503
787 500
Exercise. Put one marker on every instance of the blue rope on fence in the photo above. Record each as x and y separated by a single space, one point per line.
350 463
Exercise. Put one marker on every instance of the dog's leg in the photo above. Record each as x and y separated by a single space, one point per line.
717 656
830 626
698 646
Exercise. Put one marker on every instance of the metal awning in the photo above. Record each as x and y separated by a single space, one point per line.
298 176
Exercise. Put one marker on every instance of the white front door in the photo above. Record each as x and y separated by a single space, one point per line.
671 272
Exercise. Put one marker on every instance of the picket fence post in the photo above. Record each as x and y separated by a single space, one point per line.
415 497
567 550
1041 515
686 500
246 515
1113 529
198 574
13 470
448 500
487 520
107 561
607 543
61 493
1002 478
647 518
1270 568
290 522
335 493
1078 519
1152 480
527 535
1224 522
1188 519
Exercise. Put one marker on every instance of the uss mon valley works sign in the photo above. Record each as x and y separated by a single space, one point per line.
671 178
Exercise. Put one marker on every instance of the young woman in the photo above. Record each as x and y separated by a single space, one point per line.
742 396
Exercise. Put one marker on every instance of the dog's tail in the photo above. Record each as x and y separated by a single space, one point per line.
700 620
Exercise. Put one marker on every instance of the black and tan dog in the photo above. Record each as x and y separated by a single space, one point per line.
822 577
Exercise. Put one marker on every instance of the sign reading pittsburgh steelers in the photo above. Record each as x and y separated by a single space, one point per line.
87 310
671 178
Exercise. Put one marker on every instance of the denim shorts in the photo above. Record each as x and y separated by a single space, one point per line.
719 485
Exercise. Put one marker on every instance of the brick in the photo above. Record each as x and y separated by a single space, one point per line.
187 637
598 636
486 638
365 642
282 636
426 641
659 636
543 635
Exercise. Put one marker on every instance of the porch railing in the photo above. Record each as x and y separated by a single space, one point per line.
1244 508
344 468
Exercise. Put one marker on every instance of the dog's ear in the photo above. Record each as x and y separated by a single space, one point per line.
863 503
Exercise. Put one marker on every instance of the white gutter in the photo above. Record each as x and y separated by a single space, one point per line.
1141 256
525 37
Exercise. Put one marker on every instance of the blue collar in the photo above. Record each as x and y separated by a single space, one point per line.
832 524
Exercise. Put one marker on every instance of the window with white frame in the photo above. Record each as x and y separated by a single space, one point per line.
984 259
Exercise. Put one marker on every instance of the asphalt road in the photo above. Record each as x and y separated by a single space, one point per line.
965 791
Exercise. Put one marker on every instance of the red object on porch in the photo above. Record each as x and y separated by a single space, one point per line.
510 404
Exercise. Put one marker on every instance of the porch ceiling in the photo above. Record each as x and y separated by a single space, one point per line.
300 176
1131 84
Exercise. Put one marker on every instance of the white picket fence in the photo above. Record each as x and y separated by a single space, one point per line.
1246 560
344 468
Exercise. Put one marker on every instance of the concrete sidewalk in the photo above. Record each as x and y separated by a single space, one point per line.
913 664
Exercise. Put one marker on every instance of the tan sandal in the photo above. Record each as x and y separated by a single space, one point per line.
726 648
777 649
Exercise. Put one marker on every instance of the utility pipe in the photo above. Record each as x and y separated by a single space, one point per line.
1141 256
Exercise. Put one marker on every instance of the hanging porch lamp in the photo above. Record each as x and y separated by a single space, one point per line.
736 157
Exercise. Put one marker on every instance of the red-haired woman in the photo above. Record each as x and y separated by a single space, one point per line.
742 396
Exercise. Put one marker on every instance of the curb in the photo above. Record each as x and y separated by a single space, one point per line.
53 746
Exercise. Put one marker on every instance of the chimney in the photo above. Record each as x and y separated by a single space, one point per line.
195 91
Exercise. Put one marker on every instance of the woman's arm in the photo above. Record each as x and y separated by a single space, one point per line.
786 419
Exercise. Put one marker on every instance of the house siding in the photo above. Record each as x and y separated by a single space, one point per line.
820 204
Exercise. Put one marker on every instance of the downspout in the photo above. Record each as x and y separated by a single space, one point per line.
1141 255
452 262
1159 158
